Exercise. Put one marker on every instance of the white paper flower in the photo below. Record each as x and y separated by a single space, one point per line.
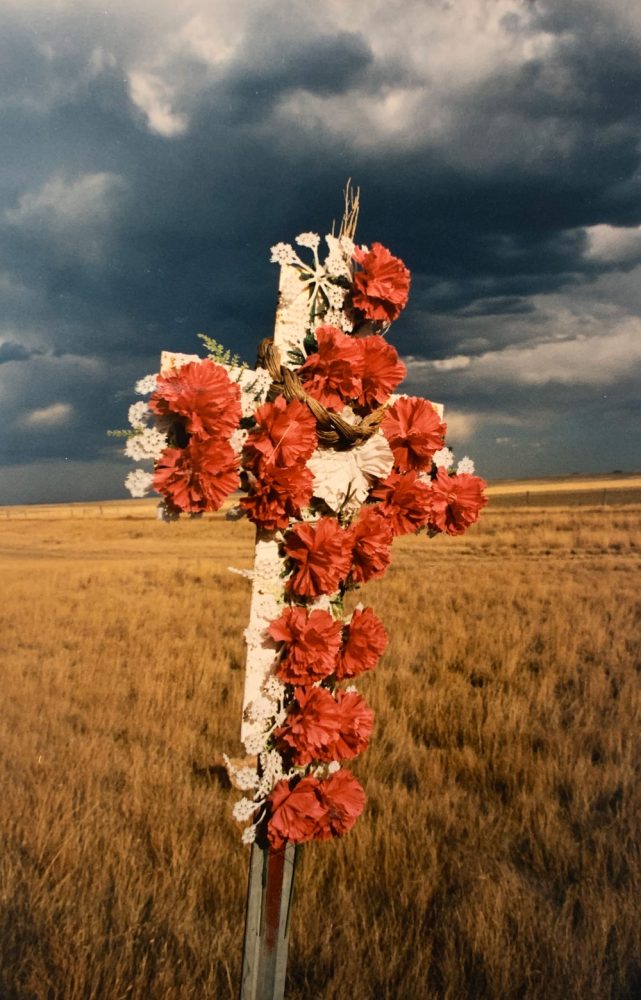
466 465
244 778
443 459
343 478
272 764
146 385
244 810
335 295
249 834
338 260
149 444
283 253
238 438
310 240
274 689
259 710
138 415
254 386
139 482
336 317
254 743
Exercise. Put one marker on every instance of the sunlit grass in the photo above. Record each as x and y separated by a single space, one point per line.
498 856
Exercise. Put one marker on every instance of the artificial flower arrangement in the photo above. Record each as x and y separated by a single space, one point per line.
332 465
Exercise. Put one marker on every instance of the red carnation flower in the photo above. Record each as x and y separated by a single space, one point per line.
365 641
414 431
332 375
310 644
295 812
199 477
382 370
356 724
285 434
371 538
202 393
311 728
456 501
277 495
382 286
343 800
405 501
321 554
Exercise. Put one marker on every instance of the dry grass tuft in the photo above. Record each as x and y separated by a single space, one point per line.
499 853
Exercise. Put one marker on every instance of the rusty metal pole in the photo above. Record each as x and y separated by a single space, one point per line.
269 898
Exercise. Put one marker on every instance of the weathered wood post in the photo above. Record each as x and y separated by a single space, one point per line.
271 872
266 942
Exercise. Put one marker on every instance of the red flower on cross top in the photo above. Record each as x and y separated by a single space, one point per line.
382 285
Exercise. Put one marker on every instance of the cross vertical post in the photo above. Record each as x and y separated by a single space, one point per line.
271 872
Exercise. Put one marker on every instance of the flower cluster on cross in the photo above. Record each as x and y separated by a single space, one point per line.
332 465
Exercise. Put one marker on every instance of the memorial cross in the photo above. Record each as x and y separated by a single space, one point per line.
334 465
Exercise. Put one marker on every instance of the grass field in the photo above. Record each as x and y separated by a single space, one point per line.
499 853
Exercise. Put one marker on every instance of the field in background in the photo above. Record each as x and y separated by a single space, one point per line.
498 856
582 491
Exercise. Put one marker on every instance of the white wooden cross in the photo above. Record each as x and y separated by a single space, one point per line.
272 871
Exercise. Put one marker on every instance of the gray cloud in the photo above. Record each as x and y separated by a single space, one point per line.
155 152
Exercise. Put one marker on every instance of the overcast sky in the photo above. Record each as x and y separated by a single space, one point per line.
152 153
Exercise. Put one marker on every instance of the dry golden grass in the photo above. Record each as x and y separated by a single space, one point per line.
498 856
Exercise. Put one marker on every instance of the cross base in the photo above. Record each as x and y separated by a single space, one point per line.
269 896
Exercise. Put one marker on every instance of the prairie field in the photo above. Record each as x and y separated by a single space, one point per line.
499 854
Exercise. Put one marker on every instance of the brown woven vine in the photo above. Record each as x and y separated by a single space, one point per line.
332 429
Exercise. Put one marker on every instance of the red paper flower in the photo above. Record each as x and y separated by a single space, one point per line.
310 644
343 799
199 477
382 370
365 641
405 501
202 393
321 554
285 434
277 495
456 501
371 537
382 286
311 728
332 375
356 724
414 431
295 812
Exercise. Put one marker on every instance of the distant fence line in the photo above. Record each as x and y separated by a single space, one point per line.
597 497
63 511
145 510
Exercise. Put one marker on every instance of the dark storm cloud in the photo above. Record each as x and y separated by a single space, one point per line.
122 233
326 64
10 351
